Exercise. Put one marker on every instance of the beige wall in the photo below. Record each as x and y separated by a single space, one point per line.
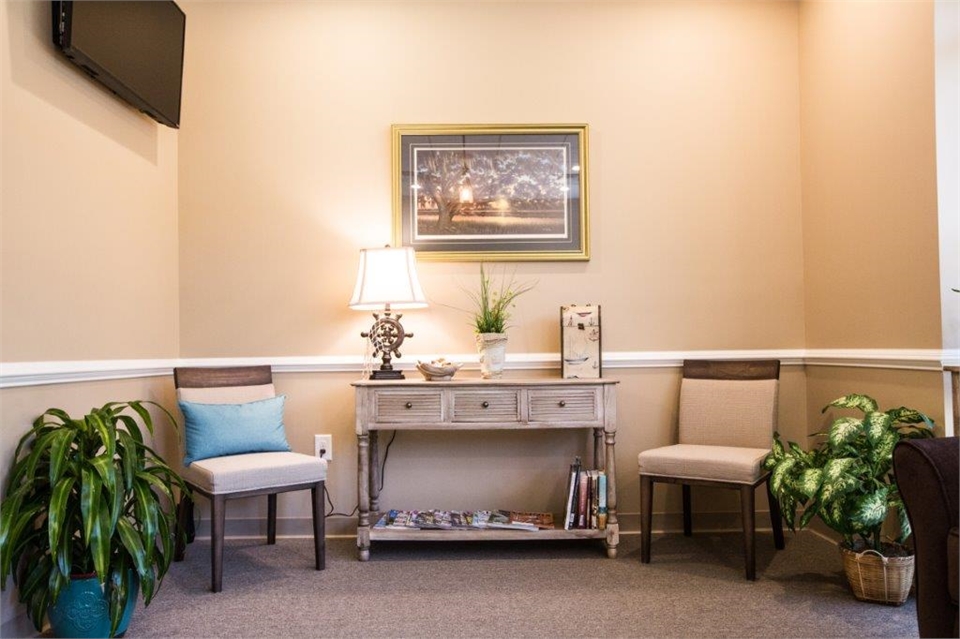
869 175
870 219
89 210
693 110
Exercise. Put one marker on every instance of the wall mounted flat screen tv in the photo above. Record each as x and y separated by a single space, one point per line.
135 49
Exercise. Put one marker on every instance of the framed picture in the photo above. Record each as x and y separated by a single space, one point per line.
580 342
491 192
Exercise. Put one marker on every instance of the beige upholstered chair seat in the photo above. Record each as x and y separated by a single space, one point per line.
697 462
254 471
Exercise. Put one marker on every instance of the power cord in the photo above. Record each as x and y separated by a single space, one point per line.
333 510
383 464
383 471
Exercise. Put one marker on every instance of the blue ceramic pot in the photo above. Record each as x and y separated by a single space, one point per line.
82 609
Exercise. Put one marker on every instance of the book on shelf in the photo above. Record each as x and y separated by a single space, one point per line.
602 498
542 521
586 505
584 490
569 518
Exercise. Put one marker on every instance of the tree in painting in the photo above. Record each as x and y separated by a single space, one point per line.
468 191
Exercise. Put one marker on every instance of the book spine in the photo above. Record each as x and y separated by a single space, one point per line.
573 495
602 498
582 500
571 485
594 481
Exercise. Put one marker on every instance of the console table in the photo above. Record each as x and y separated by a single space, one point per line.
475 404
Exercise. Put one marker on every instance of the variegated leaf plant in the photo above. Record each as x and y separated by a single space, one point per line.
847 478
88 495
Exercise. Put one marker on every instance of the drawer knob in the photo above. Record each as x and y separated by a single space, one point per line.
562 403
409 404
485 404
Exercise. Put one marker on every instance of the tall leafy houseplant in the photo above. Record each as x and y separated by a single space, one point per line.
88 495
847 478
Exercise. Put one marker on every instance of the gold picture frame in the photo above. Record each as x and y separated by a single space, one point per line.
491 192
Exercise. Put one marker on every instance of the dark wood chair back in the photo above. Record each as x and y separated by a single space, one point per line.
732 370
203 377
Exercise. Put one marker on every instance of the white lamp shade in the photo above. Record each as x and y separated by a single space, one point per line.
387 276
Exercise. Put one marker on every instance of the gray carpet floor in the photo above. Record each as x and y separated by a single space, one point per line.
693 588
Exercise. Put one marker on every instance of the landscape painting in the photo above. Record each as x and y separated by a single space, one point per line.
482 193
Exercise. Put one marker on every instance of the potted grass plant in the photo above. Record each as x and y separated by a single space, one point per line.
847 481
491 313
88 519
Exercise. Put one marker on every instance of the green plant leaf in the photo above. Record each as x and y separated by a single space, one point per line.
808 484
129 458
57 517
100 541
836 467
24 522
90 492
157 484
915 432
869 511
812 509
882 453
864 403
147 513
96 422
131 541
836 488
875 425
904 415
145 415
904 520
844 431
62 440
780 473
119 584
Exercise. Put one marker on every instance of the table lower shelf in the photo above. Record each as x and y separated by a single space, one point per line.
469 534
609 535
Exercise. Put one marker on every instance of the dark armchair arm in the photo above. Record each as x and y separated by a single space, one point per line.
928 474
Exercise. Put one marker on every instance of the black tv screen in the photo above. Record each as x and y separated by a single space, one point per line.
134 48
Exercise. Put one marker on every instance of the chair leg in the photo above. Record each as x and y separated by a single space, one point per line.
646 516
272 519
749 530
319 525
776 518
687 517
184 523
217 520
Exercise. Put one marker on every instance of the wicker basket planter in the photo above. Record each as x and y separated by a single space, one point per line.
874 577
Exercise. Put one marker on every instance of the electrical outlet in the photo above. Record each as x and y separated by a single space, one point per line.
323 446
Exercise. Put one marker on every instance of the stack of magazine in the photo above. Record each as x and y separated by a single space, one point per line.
464 519
586 498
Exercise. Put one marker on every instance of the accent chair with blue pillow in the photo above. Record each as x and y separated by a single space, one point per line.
236 446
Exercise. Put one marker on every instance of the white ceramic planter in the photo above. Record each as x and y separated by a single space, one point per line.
493 352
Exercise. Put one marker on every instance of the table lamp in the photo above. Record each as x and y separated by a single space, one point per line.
387 280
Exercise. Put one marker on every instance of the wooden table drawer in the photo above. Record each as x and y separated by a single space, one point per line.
400 406
565 405
486 406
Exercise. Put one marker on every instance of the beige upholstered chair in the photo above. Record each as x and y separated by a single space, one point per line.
728 412
244 475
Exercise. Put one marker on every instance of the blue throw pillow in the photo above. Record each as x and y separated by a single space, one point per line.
215 430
